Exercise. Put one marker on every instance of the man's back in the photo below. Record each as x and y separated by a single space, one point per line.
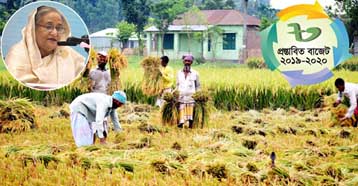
89 104
100 80
353 88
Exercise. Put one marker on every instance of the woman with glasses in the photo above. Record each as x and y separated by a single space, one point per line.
37 58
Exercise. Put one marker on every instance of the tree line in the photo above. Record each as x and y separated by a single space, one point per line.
100 14
136 15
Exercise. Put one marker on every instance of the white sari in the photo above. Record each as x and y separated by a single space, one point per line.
24 60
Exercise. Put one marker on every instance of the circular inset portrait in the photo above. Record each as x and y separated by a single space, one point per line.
45 45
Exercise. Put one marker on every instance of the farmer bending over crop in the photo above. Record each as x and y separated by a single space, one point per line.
187 84
88 112
350 91
100 77
168 78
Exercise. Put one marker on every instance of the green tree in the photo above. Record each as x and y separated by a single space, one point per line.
265 10
218 5
97 14
266 22
212 5
213 33
164 13
137 12
4 16
229 4
347 11
125 31
8 8
193 17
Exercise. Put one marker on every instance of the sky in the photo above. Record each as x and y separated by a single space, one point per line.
281 4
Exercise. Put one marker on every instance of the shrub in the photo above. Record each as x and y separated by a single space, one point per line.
255 62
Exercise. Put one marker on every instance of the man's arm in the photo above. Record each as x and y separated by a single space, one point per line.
197 83
353 104
339 99
100 114
167 74
177 81
115 121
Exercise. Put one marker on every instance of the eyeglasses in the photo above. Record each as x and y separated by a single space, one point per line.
49 28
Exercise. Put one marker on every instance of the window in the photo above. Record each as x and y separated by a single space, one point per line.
229 41
131 44
168 41
209 44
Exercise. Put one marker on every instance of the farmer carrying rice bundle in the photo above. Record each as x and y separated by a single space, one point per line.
167 74
187 84
100 77
349 90
88 112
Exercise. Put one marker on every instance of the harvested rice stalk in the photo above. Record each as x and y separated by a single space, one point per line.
248 178
117 61
218 171
169 111
83 82
152 83
16 115
92 61
202 109
161 166
278 173
338 112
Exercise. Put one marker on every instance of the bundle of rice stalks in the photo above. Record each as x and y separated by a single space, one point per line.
169 111
249 144
152 83
47 158
86 163
142 143
202 108
248 178
176 146
64 112
125 166
344 134
181 157
218 171
16 115
252 167
148 128
161 166
83 82
338 112
116 61
278 173
237 129
92 61
334 172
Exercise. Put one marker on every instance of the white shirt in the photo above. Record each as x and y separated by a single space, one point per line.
351 92
187 86
100 80
95 107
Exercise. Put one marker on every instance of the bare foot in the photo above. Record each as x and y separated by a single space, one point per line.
102 141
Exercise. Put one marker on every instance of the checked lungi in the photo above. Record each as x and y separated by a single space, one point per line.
186 112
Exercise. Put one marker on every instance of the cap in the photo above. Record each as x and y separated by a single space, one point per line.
188 57
120 96
103 53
